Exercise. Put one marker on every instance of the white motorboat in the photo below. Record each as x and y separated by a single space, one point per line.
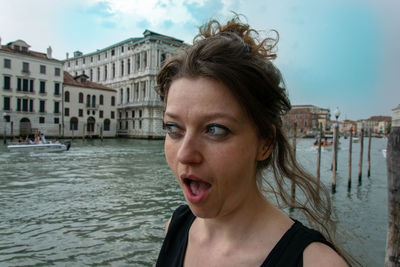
384 153
49 147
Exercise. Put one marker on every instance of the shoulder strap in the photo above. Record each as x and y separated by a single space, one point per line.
174 246
289 250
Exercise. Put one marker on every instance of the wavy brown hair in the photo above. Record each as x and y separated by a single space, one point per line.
237 56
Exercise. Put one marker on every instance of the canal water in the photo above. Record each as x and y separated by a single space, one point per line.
106 203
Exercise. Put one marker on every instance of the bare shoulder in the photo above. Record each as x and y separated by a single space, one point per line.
167 225
319 254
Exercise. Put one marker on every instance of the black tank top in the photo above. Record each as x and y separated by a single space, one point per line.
287 252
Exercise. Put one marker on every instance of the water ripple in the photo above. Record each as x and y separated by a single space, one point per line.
106 203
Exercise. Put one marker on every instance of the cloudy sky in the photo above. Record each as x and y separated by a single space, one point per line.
332 53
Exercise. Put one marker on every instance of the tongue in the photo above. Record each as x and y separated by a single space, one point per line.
197 187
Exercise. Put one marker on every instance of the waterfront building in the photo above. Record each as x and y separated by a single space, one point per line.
89 108
130 67
31 85
346 125
378 125
308 118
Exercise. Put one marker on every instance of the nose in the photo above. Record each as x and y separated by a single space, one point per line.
189 151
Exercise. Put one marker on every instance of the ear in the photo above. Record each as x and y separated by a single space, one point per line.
265 149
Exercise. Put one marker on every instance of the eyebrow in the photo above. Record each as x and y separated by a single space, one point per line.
208 116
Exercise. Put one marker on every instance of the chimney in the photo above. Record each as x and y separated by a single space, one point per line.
0 42
49 52
67 55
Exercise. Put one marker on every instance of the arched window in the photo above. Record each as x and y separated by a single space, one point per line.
127 94
101 100
93 101
106 125
66 96
88 101
73 124
80 97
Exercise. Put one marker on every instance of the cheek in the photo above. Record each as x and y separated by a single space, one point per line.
170 154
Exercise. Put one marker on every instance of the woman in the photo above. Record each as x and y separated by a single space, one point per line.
224 101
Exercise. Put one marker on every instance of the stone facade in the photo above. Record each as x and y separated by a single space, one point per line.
31 91
130 67
89 108
378 125
308 119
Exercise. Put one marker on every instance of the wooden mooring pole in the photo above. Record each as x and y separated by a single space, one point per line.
350 152
334 158
361 155
392 258
369 154
319 157
293 187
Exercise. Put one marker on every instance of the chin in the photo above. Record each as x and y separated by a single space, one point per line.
201 212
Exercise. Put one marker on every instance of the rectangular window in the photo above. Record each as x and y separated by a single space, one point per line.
80 113
57 71
41 120
112 114
66 112
42 87
25 84
31 83
56 89
19 84
30 105
101 114
18 104
42 69
7 63
42 106
7 83
25 105
6 103
56 120
56 107
25 67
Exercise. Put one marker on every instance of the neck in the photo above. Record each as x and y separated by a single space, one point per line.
241 223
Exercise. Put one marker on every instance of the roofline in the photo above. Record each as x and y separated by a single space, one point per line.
27 55
89 88
133 40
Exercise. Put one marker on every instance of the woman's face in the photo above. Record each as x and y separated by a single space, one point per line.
211 146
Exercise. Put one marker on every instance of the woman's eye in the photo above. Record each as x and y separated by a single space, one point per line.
172 129
217 130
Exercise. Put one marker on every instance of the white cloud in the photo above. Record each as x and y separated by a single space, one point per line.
153 11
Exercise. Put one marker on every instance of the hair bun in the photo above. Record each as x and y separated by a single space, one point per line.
236 29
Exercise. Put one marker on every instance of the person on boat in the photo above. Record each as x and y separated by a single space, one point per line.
37 139
43 139
20 139
30 141
224 102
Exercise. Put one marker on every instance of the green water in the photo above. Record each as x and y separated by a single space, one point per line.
106 203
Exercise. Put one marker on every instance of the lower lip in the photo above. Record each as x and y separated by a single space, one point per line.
195 199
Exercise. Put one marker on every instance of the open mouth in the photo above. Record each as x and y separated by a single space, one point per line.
196 187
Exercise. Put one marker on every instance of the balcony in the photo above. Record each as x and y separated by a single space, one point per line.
96 107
